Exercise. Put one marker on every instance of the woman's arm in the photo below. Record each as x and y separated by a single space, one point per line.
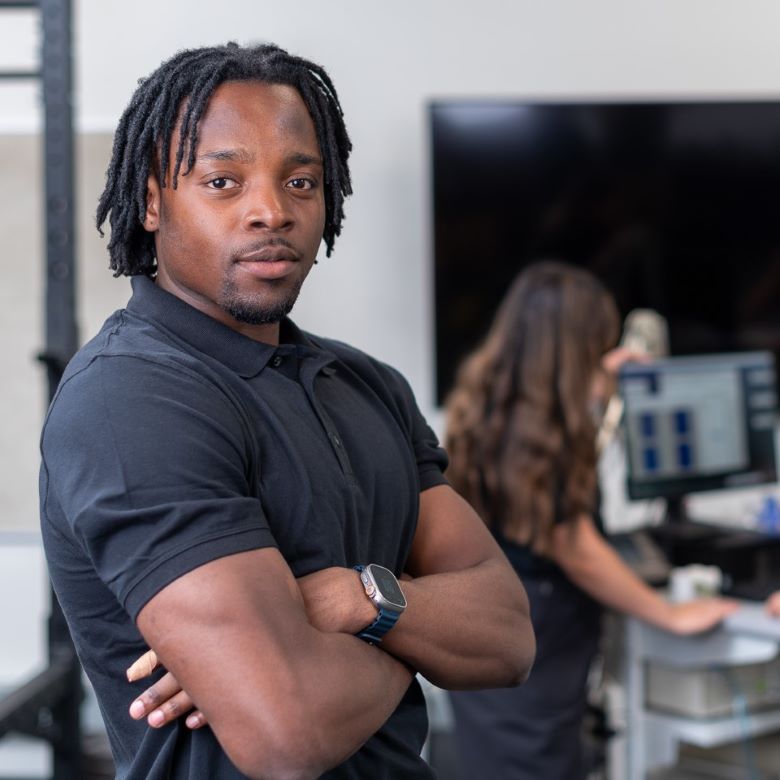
590 563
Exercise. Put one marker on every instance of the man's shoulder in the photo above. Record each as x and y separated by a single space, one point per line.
127 340
132 359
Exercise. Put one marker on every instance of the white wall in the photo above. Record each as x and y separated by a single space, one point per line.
387 60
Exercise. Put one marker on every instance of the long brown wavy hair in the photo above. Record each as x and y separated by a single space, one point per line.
520 433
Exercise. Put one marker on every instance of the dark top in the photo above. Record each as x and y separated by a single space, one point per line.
534 732
174 440
527 563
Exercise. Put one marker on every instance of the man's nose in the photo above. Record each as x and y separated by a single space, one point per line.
267 209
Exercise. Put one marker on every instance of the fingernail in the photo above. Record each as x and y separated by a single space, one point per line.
193 721
137 709
156 718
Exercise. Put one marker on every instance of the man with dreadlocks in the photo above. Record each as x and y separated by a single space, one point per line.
239 495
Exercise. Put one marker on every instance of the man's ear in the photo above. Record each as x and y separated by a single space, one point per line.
152 218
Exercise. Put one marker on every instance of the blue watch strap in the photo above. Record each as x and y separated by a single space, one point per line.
385 620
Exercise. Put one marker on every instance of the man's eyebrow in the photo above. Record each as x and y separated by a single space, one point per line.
244 156
231 155
301 158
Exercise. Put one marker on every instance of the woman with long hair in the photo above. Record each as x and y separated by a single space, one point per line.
521 435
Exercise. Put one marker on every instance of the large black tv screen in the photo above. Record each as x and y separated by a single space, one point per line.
675 206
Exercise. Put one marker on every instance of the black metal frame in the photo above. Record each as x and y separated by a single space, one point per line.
48 706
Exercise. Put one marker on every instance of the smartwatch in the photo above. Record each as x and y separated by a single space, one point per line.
383 589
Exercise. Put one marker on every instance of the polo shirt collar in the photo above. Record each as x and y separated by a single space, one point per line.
241 354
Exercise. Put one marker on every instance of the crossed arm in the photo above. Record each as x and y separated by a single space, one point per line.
273 664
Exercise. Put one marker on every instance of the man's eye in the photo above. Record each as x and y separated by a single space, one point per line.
222 183
301 184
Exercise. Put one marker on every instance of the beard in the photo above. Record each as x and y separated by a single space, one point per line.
259 308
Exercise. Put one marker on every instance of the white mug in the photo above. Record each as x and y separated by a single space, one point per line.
694 581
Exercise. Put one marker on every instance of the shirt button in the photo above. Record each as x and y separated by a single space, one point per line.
277 361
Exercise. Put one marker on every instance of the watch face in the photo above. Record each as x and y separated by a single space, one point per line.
387 585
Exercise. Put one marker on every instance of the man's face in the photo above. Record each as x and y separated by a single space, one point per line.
238 236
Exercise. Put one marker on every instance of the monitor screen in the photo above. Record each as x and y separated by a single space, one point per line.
673 205
699 423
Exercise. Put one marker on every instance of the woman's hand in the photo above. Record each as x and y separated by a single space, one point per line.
773 604
613 360
165 700
693 617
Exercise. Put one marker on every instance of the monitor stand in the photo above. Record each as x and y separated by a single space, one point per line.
681 537
750 560
676 510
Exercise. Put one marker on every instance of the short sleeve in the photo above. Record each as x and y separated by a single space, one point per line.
149 467
430 456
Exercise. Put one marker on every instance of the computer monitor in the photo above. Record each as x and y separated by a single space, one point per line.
698 423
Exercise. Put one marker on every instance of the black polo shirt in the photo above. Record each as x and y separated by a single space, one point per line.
173 440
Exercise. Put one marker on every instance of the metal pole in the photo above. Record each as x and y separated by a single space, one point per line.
61 330
48 706
61 334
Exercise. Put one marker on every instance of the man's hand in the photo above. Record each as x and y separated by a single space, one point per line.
165 700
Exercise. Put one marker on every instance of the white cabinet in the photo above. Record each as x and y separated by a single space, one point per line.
652 737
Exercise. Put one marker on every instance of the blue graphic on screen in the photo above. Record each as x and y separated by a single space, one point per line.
682 425
650 456
666 440
682 421
699 422
685 456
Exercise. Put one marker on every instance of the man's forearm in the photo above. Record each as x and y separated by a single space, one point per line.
351 688
467 623
466 629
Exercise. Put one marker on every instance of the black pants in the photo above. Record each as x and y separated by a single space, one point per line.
534 732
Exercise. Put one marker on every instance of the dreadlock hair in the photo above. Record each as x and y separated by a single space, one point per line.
145 134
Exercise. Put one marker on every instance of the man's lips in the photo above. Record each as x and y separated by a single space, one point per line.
269 263
271 254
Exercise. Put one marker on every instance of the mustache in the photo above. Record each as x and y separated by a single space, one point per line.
258 246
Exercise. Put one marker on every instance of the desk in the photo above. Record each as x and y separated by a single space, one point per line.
747 637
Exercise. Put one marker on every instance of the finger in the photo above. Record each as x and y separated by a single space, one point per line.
143 667
152 698
773 604
170 710
196 720
615 358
